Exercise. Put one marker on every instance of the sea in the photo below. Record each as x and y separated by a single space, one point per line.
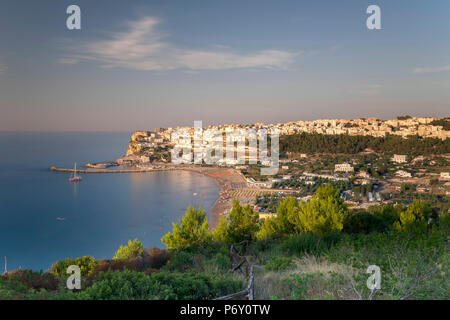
45 218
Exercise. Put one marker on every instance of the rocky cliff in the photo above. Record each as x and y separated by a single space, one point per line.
135 146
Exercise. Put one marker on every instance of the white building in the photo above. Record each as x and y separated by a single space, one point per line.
403 174
445 176
363 174
343 167
252 183
399 158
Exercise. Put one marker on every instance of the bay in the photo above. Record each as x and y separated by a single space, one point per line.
44 217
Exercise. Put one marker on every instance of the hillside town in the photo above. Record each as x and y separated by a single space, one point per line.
364 179
144 144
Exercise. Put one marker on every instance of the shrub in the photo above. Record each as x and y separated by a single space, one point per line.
363 222
281 223
135 264
309 243
32 288
155 258
29 279
444 221
323 214
134 249
223 261
132 285
414 265
125 285
261 245
149 271
242 223
269 228
414 218
279 264
180 261
298 283
192 286
192 230
387 212
87 266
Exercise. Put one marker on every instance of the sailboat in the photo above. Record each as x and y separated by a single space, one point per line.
75 177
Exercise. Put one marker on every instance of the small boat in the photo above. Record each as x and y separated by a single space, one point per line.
60 219
75 177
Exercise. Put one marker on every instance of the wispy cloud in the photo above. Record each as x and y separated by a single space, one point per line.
432 70
367 90
144 47
2 68
68 61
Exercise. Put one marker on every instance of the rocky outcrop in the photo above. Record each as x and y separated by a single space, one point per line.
135 147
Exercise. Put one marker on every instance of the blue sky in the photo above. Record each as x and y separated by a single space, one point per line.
145 64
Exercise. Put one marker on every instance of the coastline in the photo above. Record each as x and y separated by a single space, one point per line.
227 179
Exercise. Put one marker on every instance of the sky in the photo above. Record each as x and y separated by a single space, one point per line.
137 65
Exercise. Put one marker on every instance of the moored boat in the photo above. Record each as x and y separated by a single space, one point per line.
75 177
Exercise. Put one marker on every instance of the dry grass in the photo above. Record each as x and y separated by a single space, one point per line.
326 280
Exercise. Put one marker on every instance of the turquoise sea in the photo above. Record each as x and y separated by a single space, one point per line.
44 217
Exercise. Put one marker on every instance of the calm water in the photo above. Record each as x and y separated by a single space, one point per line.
101 213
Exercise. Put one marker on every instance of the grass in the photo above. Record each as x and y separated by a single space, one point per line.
413 266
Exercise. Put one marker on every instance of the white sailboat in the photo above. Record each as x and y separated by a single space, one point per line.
75 177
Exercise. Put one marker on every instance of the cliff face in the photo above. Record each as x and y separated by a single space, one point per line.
147 146
135 147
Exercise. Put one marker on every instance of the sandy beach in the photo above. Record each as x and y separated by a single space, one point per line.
228 180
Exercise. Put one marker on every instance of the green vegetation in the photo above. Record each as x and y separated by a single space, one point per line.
445 123
323 214
363 222
87 266
308 244
314 250
310 186
413 265
192 230
279 264
133 250
242 223
387 213
132 285
414 218
321 143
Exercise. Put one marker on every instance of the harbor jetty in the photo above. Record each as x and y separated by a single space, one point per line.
113 171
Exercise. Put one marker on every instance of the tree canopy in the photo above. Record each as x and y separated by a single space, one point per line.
242 223
342 143
191 230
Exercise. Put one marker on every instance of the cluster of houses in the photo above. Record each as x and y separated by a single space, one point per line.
145 141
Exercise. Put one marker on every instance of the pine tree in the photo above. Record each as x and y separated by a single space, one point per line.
192 230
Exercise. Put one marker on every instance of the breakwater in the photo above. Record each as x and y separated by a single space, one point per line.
112 171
